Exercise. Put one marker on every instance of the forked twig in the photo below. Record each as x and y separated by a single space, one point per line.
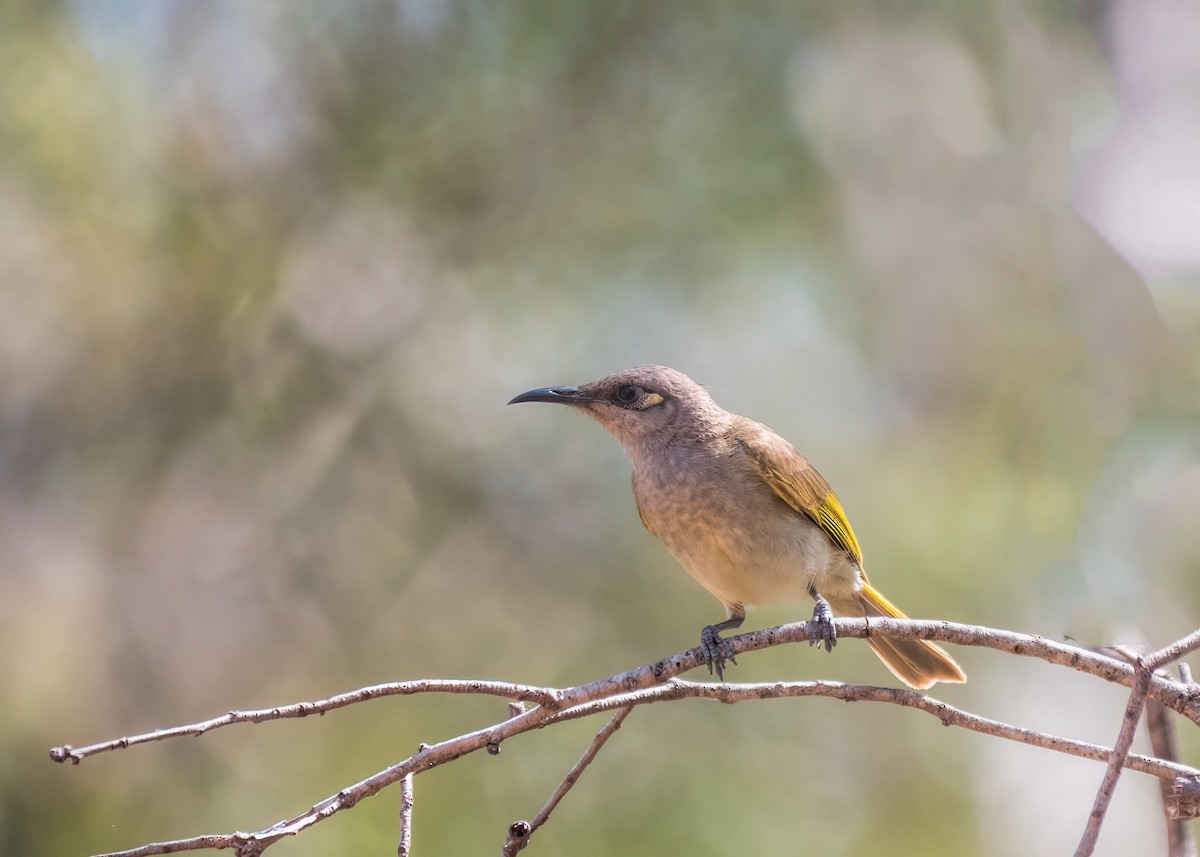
519 832
1144 669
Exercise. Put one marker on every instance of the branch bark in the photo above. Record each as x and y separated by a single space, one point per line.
406 810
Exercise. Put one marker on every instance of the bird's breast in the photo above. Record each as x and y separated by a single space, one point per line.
732 533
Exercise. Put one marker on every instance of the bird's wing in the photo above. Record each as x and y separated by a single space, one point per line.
793 478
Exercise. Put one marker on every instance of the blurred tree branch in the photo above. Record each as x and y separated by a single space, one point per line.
657 682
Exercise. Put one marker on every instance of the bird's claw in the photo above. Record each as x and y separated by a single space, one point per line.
717 650
820 627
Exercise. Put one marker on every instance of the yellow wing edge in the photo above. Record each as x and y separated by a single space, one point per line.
832 518
799 485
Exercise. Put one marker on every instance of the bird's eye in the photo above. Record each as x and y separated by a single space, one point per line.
628 393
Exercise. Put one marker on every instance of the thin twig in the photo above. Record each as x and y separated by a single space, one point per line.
519 834
1175 651
518 692
1116 762
406 809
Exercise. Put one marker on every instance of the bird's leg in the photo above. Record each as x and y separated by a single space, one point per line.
820 627
716 648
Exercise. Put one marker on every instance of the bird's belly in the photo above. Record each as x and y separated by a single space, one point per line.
752 554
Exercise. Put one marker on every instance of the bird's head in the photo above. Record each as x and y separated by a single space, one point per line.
642 406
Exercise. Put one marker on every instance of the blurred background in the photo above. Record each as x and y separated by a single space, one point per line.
270 271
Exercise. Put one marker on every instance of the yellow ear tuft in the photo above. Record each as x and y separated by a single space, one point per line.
651 400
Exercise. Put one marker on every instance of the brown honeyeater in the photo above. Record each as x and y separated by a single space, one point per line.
742 511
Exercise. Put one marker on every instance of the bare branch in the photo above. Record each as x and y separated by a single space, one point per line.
1173 695
520 832
948 714
437 754
1116 762
1164 742
543 696
656 682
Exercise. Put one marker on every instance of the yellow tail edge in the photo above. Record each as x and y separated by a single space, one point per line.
918 663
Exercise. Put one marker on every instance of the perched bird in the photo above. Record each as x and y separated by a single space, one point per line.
742 511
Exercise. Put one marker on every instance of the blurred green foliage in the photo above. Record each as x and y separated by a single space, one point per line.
270 271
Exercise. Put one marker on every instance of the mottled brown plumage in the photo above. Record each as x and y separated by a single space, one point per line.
744 513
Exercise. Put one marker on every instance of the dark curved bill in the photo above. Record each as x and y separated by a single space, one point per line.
562 395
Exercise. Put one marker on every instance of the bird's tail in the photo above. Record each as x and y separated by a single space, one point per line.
917 663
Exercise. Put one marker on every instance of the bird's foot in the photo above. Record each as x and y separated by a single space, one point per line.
820 627
717 650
